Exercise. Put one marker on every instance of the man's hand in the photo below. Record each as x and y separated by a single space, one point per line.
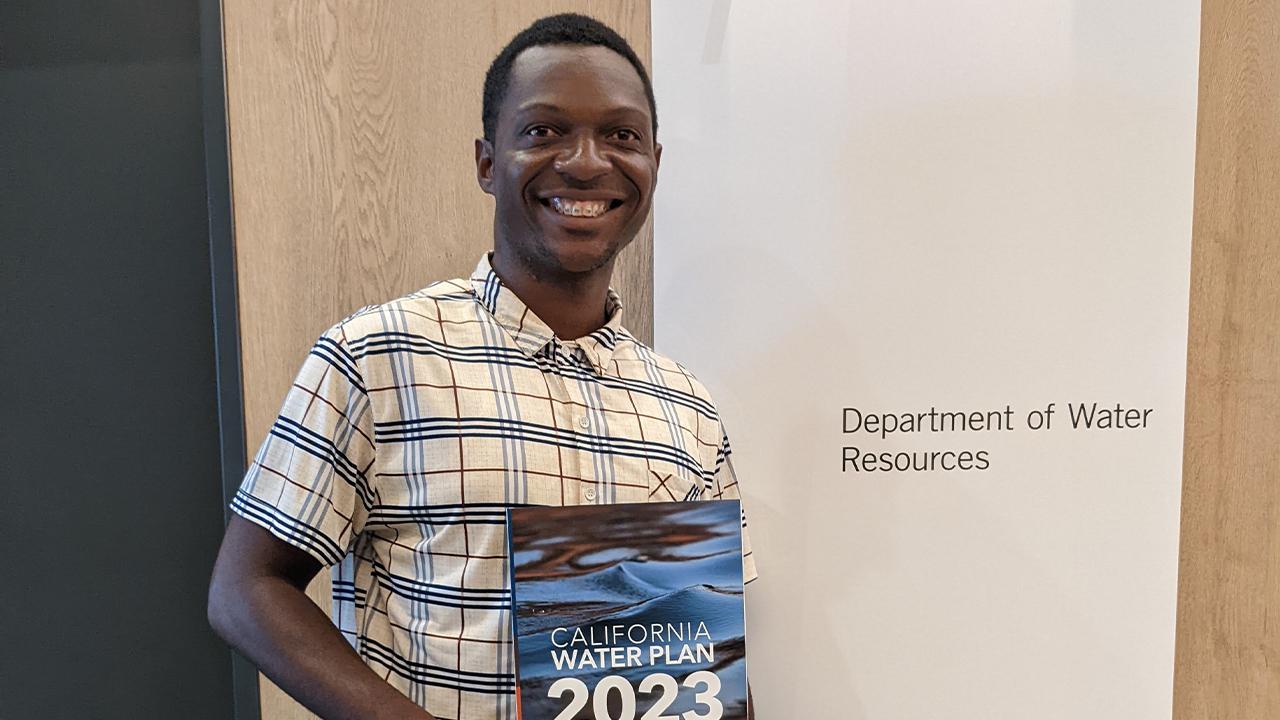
258 604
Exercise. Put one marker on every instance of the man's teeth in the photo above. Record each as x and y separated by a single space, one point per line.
580 208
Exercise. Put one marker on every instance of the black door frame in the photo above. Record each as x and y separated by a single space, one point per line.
226 324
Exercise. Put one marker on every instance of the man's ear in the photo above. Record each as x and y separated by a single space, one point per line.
484 165
657 154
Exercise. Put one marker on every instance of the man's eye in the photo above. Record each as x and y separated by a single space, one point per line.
540 131
627 135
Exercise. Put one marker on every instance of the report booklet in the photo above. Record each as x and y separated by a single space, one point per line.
629 612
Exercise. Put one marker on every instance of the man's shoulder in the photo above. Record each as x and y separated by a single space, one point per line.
445 300
636 359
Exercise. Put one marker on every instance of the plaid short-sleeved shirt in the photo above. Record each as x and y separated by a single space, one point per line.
411 428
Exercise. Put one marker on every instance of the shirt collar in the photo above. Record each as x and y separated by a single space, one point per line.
531 334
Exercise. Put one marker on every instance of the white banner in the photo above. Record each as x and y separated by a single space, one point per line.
932 260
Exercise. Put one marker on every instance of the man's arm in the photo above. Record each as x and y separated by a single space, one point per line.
258 604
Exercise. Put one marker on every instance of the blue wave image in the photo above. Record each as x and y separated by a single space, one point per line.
589 569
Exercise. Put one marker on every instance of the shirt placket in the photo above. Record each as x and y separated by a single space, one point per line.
576 414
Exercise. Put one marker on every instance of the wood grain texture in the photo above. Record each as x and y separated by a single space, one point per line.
353 180
1228 634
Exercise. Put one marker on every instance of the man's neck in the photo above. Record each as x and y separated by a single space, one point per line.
571 307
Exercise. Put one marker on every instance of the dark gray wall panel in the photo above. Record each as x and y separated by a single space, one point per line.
110 500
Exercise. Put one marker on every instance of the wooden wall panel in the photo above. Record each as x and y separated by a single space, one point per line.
353 177
1228 635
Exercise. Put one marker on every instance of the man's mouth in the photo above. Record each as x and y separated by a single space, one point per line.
580 208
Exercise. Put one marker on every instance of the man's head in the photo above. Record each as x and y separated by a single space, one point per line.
563 29
569 150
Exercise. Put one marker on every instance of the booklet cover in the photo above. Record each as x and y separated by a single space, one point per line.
629 612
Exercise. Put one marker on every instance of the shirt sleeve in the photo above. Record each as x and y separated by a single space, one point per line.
725 487
308 484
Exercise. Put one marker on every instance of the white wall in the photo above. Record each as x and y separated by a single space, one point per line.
898 204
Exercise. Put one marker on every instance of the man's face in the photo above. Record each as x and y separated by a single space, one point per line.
573 162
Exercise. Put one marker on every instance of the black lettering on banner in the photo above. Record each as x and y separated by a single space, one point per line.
982 458
917 461
850 460
1092 417
857 423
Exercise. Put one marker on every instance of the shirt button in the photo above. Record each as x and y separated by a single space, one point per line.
590 494
584 423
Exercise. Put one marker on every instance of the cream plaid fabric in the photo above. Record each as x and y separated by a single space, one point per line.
411 428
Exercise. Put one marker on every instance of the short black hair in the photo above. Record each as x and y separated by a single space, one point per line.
562 29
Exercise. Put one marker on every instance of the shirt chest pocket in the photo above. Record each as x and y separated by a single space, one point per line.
673 487
673 470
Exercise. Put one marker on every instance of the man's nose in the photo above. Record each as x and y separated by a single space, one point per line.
582 160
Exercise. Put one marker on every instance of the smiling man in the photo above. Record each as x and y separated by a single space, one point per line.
413 425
